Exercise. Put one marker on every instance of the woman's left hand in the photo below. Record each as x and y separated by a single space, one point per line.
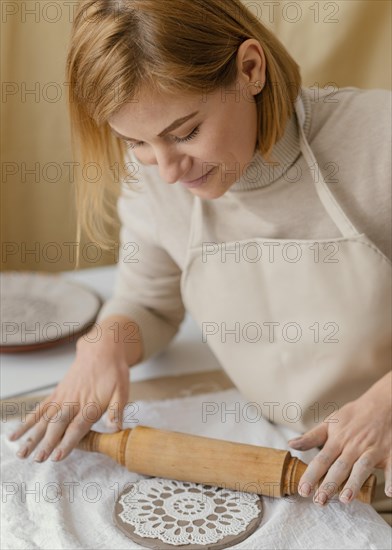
356 439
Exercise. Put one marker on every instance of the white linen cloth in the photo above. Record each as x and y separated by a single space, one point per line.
69 504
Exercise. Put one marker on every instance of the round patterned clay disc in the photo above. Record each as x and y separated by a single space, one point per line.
167 514
40 310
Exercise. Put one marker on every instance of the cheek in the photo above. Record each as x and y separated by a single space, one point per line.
237 132
242 123
230 147
216 145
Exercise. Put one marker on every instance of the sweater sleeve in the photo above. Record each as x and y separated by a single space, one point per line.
147 281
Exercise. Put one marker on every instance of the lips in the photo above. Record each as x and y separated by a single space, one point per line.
197 180
191 181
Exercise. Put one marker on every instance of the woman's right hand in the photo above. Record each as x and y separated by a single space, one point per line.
97 380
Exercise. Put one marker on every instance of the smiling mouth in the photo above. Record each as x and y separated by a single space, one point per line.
198 180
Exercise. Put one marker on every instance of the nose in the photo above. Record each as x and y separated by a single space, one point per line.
171 165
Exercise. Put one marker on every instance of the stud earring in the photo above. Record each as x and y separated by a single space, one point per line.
258 84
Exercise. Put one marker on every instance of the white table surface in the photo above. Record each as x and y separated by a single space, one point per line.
70 524
26 372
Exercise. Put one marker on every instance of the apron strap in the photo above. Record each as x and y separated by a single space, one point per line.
328 200
196 228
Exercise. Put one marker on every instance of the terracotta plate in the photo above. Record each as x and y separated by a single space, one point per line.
167 514
40 310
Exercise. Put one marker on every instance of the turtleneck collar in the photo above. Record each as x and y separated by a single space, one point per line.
286 151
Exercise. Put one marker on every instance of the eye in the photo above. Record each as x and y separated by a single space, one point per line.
132 144
193 134
189 137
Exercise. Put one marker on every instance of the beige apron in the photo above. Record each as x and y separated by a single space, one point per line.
300 326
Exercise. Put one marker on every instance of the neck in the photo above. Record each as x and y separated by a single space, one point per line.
285 153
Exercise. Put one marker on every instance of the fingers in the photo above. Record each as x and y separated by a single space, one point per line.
117 405
59 433
317 469
32 441
57 427
314 438
337 474
320 464
58 437
53 433
46 435
339 467
361 470
74 433
46 408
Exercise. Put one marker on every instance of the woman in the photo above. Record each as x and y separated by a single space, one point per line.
282 259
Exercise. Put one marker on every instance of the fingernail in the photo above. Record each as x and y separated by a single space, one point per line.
297 442
297 445
56 455
22 452
295 438
39 456
305 489
346 495
320 498
12 436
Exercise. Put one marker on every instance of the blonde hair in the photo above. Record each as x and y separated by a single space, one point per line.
120 47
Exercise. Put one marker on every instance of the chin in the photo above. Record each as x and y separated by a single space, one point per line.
209 194
213 189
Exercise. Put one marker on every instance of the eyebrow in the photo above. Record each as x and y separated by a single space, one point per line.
173 126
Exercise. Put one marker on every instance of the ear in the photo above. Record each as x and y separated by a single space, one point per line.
251 64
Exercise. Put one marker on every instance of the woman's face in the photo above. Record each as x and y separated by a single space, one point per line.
209 138
219 137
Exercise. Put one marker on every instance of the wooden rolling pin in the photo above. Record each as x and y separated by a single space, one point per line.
184 457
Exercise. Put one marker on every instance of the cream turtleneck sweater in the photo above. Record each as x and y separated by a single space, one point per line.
350 135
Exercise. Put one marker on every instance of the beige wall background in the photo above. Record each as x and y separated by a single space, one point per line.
336 43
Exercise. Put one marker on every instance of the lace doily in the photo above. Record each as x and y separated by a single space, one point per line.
162 513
